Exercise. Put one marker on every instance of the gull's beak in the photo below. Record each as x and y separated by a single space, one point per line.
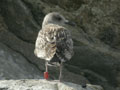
70 23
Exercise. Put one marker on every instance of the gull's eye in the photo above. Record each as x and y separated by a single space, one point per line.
58 18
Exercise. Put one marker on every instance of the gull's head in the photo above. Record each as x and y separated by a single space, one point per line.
56 18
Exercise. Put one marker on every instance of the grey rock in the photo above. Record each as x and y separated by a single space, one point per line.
15 66
96 39
43 85
24 48
19 19
100 20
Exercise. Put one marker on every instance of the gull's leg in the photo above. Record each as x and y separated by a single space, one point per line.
46 76
60 75
46 65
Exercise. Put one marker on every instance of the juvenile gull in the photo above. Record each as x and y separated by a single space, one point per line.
54 43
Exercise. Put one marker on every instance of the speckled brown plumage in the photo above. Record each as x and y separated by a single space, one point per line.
54 39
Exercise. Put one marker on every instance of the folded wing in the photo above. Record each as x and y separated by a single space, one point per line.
54 39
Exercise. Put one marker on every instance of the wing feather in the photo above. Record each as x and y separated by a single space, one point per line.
52 40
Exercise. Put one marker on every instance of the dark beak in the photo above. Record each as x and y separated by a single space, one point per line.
70 23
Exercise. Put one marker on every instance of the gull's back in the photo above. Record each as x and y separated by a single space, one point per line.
54 41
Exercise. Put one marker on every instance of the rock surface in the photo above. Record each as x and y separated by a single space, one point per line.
43 85
18 15
15 66
96 38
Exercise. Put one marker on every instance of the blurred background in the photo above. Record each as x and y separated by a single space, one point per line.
96 40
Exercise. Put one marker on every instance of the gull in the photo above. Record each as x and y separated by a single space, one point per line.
54 42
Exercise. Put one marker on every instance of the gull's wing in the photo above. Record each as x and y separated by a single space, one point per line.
54 39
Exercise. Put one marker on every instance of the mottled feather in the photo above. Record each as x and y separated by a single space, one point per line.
54 40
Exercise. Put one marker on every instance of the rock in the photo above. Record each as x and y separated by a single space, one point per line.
96 37
43 85
15 66
24 48
68 5
97 18
19 19
96 61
